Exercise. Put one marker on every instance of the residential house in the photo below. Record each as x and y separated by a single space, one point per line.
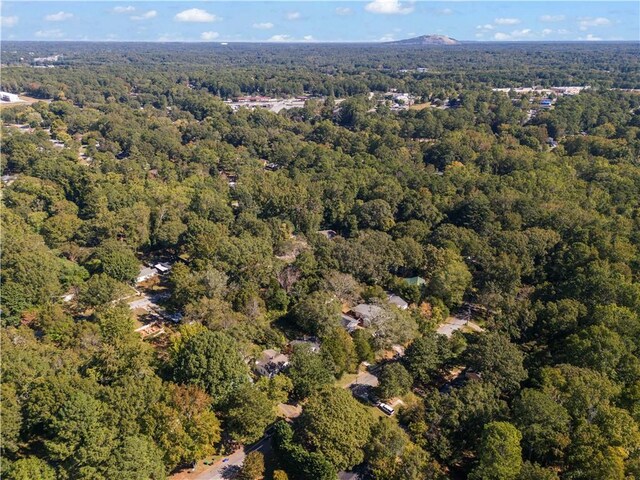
146 273
349 323
398 301
162 267
271 362
366 313
9 97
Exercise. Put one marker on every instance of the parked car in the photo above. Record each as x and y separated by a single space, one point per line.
388 409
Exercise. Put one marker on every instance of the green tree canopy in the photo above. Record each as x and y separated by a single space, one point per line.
395 381
500 453
211 360
118 261
308 372
249 413
336 425
498 360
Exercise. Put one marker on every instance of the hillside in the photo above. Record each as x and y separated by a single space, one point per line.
428 40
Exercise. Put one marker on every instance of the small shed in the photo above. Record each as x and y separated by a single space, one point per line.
415 281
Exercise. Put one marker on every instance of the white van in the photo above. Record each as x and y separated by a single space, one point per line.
386 408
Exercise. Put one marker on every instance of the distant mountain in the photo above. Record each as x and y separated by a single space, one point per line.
428 40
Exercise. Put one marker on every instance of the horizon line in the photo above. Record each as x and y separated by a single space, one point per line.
319 42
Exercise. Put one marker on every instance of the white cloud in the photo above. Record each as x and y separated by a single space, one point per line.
486 26
525 32
308 38
58 17
208 36
514 35
563 31
54 33
196 15
388 7
344 11
444 11
145 16
479 35
293 15
263 26
280 38
128 9
8 21
387 37
507 21
590 38
586 22
547 31
552 18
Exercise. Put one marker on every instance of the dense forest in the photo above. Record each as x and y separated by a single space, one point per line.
276 226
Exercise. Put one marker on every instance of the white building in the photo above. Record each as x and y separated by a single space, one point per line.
398 301
162 267
9 97
145 274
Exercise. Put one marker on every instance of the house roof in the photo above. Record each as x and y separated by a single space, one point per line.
271 356
367 311
163 267
415 281
280 358
398 301
146 272
349 323
348 476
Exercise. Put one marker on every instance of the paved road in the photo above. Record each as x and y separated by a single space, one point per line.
364 378
229 469
456 323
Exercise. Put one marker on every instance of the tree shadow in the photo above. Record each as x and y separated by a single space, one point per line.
230 471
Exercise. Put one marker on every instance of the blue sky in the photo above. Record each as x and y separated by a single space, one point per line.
318 21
